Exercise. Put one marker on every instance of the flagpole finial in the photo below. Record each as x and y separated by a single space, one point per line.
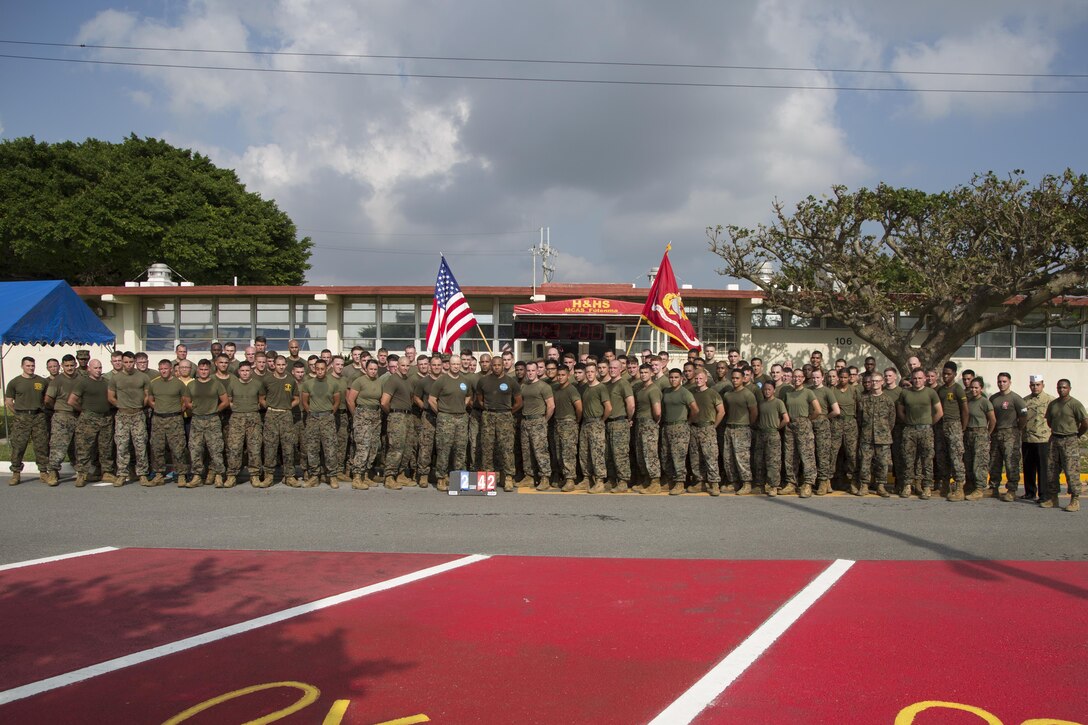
668 247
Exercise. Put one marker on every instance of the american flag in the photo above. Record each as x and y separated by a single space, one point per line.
450 313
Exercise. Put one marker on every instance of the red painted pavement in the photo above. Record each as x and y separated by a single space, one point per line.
64 615
1007 637
527 640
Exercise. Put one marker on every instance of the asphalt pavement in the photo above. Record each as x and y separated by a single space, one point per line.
39 521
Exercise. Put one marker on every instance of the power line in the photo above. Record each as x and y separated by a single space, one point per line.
582 81
417 252
544 61
421 234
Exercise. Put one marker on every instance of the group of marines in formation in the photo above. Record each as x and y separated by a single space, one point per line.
565 422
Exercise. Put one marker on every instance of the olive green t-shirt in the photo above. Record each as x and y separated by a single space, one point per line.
662 383
977 408
92 394
350 373
564 401
770 414
205 395
471 379
167 394
1064 416
399 391
278 392
535 397
450 392
498 392
674 404
645 397
950 397
341 386
129 388
320 393
618 392
60 388
737 404
825 398
918 405
244 396
27 392
1008 407
798 402
368 392
593 401
708 401
893 393
847 400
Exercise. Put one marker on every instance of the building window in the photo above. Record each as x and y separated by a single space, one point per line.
967 350
274 321
398 324
717 324
235 321
996 344
506 322
1031 344
1065 343
159 325
763 316
309 325
360 323
196 322
484 310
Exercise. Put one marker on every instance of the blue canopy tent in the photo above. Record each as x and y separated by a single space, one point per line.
46 313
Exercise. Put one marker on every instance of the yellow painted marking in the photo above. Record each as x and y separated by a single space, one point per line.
336 712
907 714
309 695
410 720
1049 721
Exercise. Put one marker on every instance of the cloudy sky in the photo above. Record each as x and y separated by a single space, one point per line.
384 168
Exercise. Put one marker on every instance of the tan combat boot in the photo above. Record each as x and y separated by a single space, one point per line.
806 490
677 488
568 486
145 482
358 483
956 494
621 487
16 477
745 489
882 491
194 482
229 481
926 494
292 482
714 488
654 486
311 482
443 484
1074 505
334 481
597 485
1049 502
50 477
158 480
772 490
788 490
544 484
582 485
823 488
81 480
392 483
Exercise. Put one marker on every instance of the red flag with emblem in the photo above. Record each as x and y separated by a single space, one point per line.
664 308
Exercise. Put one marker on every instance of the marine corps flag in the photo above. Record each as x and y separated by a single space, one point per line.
664 308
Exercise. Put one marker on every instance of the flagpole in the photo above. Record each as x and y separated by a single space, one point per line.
480 330
633 336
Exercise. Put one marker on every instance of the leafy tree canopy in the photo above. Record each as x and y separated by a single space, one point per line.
99 213
994 252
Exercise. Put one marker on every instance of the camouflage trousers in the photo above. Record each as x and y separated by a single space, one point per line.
566 447
647 454
825 463
800 451
1064 458
94 435
736 449
245 433
343 432
767 458
322 445
591 448
976 456
206 435
398 431
948 452
1005 452
875 460
61 433
425 444
411 444
675 439
300 441
497 442
367 432
917 456
169 433
27 427
705 440
535 455
131 428
898 467
279 437
844 437
618 450
450 441
472 440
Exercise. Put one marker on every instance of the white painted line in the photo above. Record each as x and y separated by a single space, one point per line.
58 557
686 707
102 668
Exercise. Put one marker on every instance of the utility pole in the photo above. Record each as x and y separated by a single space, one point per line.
544 250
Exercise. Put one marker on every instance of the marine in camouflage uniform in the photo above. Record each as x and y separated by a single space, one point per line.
767 451
279 397
876 422
206 429
618 427
735 431
342 417
647 427
499 395
365 396
166 394
821 433
592 438
538 405
94 432
320 398
128 390
800 448
676 406
24 396
1006 445
245 432
844 428
428 419
1068 421
399 424
917 408
948 436
976 441
451 395
63 427
704 435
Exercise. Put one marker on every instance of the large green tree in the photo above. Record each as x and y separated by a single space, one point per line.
99 213
997 251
